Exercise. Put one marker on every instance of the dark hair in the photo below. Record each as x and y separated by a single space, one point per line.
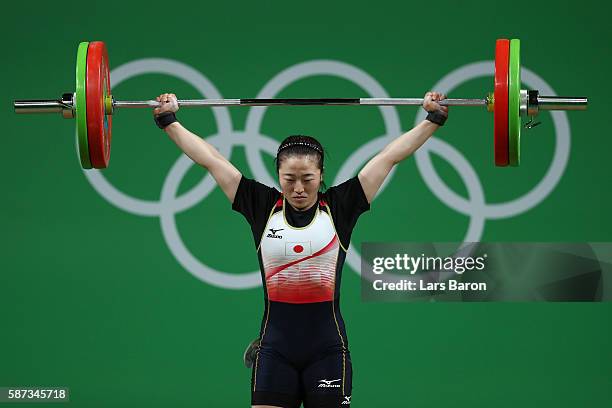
301 145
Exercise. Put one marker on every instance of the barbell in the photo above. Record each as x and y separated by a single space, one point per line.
92 104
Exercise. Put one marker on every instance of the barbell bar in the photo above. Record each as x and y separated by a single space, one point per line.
92 104
26 106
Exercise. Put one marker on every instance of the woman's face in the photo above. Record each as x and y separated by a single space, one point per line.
300 178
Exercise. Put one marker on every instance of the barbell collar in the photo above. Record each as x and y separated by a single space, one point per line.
532 103
68 105
523 102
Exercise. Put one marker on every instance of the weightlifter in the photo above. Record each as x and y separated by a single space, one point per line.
301 235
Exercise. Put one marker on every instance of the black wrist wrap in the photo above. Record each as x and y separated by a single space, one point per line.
436 117
164 119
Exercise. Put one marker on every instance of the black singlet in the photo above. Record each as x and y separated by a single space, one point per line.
304 353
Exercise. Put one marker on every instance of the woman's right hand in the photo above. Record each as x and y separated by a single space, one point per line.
168 103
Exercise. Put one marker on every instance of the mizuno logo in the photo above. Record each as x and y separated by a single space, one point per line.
273 234
328 383
347 400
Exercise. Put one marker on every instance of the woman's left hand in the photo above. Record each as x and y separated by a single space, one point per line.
430 102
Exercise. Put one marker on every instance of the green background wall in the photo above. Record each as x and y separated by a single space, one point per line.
92 298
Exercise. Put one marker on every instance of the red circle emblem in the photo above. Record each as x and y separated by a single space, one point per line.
298 248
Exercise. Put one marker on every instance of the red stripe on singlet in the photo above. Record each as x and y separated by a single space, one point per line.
327 248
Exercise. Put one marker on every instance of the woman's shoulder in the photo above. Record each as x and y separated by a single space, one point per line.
254 185
348 184
348 194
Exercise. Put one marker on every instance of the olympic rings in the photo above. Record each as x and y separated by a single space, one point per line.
170 204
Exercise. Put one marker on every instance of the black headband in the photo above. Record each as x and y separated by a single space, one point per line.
312 146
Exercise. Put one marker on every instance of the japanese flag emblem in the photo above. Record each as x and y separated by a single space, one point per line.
298 248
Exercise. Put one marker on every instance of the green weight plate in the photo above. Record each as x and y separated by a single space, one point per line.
81 105
514 95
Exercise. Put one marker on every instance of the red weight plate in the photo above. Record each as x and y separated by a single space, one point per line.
502 55
98 88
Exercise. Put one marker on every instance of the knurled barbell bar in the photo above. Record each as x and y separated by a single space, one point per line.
92 104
